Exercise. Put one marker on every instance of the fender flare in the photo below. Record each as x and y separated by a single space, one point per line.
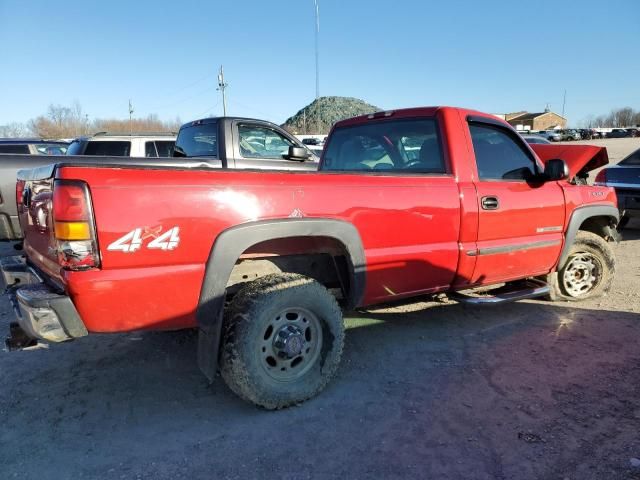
228 247
578 217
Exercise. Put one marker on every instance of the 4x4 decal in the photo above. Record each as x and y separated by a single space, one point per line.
134 240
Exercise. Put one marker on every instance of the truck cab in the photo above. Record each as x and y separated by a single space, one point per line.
244 143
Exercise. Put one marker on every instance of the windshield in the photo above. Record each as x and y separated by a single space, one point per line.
51 149
198 140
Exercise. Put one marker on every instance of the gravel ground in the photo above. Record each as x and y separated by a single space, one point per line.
530 390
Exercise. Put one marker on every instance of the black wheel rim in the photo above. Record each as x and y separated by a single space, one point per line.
582 274
290 345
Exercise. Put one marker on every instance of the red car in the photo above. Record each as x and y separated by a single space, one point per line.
406 203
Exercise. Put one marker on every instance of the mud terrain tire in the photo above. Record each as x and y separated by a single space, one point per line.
283 337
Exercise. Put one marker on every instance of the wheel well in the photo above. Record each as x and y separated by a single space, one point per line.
324 259
602 226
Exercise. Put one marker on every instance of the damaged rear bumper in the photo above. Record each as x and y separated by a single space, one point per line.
41 312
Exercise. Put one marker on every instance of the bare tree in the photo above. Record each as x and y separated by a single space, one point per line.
149 124
623 117
70 121
13 130
60 122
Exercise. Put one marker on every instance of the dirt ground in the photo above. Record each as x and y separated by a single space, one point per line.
529 390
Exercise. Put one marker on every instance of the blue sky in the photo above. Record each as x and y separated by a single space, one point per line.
495 56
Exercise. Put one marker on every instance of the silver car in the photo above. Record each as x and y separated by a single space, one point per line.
551 135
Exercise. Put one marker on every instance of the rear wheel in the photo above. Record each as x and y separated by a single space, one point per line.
588 271
283 339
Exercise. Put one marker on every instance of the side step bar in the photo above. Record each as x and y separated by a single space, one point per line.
508 293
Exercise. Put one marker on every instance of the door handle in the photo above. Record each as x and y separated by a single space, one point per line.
490 203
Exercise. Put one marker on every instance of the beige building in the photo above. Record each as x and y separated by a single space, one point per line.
546 120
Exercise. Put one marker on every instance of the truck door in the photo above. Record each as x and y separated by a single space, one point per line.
521 219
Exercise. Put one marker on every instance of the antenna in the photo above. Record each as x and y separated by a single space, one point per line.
564 99
130 116
221 87
317 34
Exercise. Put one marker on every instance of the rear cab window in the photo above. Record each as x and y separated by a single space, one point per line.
199 140
403 145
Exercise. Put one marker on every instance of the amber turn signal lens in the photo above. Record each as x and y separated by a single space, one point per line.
73 231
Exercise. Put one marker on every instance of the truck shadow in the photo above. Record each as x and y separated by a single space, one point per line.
413 376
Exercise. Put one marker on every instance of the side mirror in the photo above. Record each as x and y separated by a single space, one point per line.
298 153
556 169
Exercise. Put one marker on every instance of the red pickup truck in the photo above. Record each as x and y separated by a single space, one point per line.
406 203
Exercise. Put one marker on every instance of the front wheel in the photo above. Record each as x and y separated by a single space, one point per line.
283 339
588 271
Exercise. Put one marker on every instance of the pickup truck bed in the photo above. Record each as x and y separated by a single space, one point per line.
406 203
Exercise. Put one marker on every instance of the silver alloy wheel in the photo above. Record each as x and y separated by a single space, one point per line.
291 344
582 274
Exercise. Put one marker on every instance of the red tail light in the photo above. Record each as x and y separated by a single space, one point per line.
601 177
73 225
19 191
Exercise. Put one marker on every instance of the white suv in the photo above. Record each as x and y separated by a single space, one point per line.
135 145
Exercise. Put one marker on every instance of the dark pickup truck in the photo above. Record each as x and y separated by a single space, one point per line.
223 142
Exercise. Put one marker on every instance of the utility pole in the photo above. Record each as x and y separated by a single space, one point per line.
317 34
130 117
221 87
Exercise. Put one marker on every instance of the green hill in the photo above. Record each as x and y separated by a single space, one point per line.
322 113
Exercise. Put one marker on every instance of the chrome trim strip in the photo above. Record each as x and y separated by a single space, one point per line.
557 228
514 248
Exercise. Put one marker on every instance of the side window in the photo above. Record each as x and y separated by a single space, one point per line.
9 148
498 156
108 148
165 148
150 149
262 142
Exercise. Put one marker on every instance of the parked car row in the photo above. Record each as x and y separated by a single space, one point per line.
571 134
623 133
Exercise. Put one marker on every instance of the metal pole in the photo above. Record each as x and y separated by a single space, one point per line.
564 99
130 117
221 87
317 34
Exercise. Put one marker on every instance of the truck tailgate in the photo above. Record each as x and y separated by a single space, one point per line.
34 201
